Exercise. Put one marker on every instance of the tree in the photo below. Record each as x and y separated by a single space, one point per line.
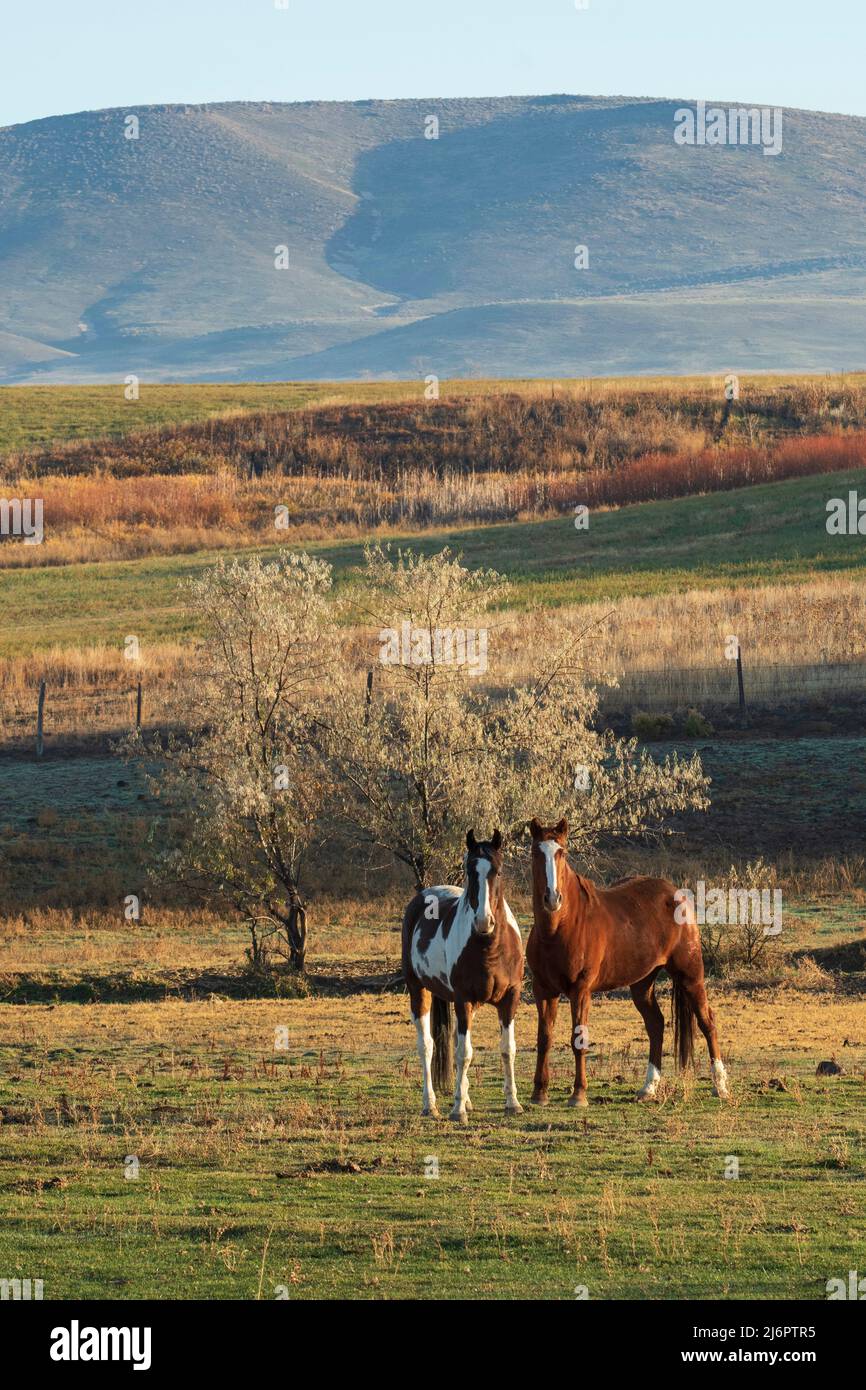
552 756
250 780
436 752
407 773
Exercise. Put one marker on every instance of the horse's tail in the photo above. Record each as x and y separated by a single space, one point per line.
683 1019
442 1026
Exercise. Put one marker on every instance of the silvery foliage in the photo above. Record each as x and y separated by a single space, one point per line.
438 752
250 782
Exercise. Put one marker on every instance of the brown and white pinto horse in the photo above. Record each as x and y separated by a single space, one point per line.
463 947
586 939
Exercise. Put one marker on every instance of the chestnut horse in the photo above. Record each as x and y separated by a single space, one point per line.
586 939
463 948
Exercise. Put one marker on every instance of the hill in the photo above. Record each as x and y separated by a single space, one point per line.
774 533
156 256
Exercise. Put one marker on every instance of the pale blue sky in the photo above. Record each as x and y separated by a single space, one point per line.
60 56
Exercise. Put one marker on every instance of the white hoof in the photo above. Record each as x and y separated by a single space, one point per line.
460 1117
515 1109
651 1083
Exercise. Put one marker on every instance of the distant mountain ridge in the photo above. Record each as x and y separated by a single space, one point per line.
155 256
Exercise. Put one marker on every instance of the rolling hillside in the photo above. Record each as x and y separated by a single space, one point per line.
407 255
771 534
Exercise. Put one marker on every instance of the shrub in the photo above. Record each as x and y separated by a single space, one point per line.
744 943
651 726
696 726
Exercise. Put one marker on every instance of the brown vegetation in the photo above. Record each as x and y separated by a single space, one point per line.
339 469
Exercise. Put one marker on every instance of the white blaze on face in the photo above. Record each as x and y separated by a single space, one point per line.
482 868
548 849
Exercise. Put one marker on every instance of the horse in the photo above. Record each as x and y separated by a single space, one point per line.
463 948
586 939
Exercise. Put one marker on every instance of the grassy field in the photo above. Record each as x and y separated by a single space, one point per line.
33 416
773 533
303 1167
262 1170
157 1142
482 454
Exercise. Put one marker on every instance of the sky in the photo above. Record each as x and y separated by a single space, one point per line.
60 56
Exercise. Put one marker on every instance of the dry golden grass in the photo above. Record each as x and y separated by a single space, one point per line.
822 621
304 1171
665 650
93 689
377 1026
810 625
86 668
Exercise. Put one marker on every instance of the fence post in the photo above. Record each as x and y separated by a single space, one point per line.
138 708
368 698
40 711
740 679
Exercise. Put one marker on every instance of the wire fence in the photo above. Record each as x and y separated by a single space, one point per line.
45 711
693 686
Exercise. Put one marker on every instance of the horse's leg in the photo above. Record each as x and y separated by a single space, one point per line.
707 1023
546 1020
691 980
464 1057
581 998
420 1001
508 1048
644 995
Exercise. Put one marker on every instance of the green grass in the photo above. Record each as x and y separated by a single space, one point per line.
774 533
306 1170
31 416
35 416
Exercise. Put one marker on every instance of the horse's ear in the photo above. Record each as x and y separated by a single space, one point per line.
535 828
470 839
496 840
561 830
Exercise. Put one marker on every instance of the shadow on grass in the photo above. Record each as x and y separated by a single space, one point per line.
138 986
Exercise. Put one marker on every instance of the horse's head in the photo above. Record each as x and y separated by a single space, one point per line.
484 880
548 855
